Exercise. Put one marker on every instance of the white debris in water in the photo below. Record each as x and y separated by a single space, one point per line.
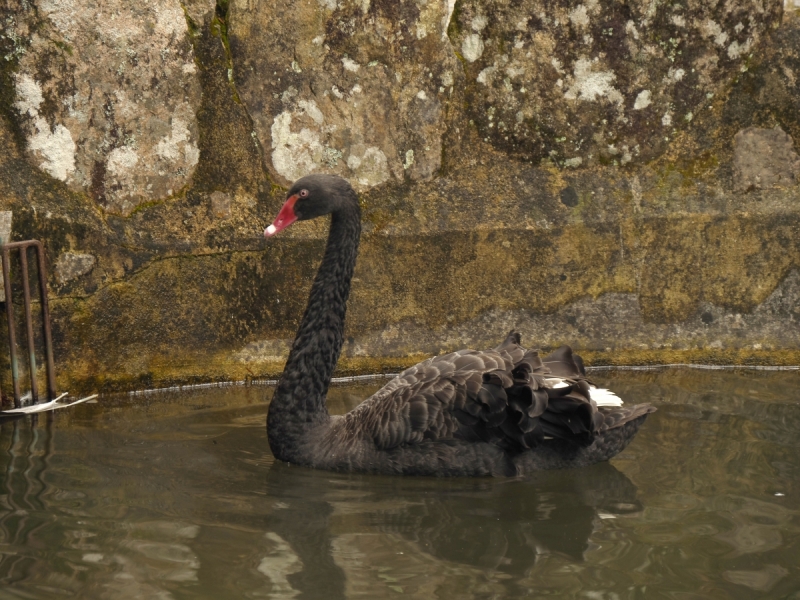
44 407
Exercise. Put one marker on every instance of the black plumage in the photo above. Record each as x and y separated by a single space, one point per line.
503 411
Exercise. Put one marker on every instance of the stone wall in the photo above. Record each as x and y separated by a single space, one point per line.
620 177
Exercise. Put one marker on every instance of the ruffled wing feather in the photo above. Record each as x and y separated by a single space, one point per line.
507 396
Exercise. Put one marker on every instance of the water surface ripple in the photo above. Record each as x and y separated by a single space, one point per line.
177 496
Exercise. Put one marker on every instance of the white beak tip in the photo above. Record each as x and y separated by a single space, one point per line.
270 231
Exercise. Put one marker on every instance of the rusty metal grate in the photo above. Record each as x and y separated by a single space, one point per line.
24 248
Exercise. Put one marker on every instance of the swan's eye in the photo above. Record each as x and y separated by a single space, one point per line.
303 194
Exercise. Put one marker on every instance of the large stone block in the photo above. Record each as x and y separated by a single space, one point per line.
585 83
106 95
360 89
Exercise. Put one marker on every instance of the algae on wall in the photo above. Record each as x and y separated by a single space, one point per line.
623 178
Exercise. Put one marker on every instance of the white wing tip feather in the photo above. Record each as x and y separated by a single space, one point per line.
601 396
556 383
604 397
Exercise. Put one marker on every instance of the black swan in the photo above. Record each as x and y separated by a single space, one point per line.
501 412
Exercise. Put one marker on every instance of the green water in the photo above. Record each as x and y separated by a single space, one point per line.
177 496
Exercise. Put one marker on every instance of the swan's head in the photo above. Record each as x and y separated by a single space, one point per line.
310 197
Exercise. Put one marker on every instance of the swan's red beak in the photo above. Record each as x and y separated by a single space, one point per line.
285 217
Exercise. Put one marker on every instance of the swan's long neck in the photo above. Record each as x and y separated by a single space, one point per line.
299 401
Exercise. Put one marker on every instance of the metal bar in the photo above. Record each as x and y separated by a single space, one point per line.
46 331
12 338
45 307
26 294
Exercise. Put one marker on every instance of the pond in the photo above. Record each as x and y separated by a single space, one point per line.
176 495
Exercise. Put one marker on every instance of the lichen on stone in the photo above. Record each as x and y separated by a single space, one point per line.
600 75
365 92
53 148
106 97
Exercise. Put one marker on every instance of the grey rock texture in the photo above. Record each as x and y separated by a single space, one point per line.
359 89
72 265
593 324
765 158
645 210
106 95
5 226
221 205
5 236
595 82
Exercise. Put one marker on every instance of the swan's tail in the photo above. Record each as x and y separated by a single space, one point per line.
550 398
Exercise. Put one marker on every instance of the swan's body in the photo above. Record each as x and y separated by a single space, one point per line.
503 411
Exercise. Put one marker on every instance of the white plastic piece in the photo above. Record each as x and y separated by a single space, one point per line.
270 230
52 405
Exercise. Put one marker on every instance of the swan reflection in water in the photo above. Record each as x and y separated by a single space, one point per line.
339 528
302 530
